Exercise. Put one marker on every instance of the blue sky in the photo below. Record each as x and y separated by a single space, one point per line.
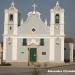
43 6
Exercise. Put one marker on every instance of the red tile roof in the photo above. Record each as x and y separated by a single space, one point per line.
69 40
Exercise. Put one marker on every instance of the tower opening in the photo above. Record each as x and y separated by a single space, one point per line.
11 17
57 18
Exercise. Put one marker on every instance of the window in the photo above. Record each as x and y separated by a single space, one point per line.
10 28
41 42
57 18
43 53
24 42
11 17
33 30
64 48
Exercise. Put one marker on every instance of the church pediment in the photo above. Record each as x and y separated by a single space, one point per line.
34 24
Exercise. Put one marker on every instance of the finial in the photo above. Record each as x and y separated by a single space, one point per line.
12 4
34 7
22 21
57 4
46 21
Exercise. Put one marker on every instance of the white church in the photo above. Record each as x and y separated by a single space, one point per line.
33 40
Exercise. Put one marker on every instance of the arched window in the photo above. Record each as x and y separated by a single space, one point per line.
57 18
11 17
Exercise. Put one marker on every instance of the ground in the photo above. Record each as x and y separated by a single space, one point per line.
10 70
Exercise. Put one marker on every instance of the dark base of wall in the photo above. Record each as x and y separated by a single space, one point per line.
37 64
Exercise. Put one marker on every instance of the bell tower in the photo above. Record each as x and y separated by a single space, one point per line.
11 20
11 23
57 33
57 20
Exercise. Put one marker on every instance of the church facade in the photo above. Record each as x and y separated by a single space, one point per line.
33 40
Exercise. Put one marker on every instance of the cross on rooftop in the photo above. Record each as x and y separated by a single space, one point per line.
12 4
34 6
57 4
